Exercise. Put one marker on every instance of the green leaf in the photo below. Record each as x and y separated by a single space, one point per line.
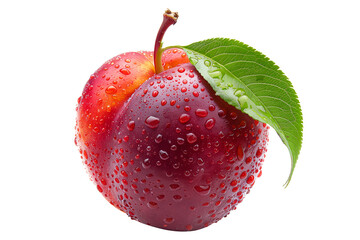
251 82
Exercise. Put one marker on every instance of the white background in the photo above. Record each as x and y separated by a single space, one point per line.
49 49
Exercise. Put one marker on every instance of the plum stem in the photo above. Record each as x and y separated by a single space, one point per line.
170 18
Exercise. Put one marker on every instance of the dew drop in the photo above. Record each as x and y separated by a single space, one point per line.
146 163
201 112
242 124
96 129
174 186
180 141
163 155
250 180
181 70
111 90
177 197
191 138
183 89
243 175
152 205
103 181
155 93
207 63
258 153
193 60
125 71
210 123
184 118
158 138
123 173
202 189
99 188
108 108
160 197
152 122
233 183
188 126
176 165
131 125
169 220
221 135
187 108
233 115
240 153
221 113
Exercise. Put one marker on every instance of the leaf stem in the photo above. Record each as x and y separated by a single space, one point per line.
169 19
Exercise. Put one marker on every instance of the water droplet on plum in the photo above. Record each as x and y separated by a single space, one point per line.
125 71
169 220
146 163
111 90
158 138
174 186
177 197
163 155
191 138
152 122
131 125
180 141
184 118
155 93
201 112
210 123
152 205
240 153
181 70
250 180
202 189
221 113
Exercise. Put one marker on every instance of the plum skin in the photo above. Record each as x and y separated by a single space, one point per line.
175 172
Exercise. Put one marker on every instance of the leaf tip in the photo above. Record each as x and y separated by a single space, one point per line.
293 163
